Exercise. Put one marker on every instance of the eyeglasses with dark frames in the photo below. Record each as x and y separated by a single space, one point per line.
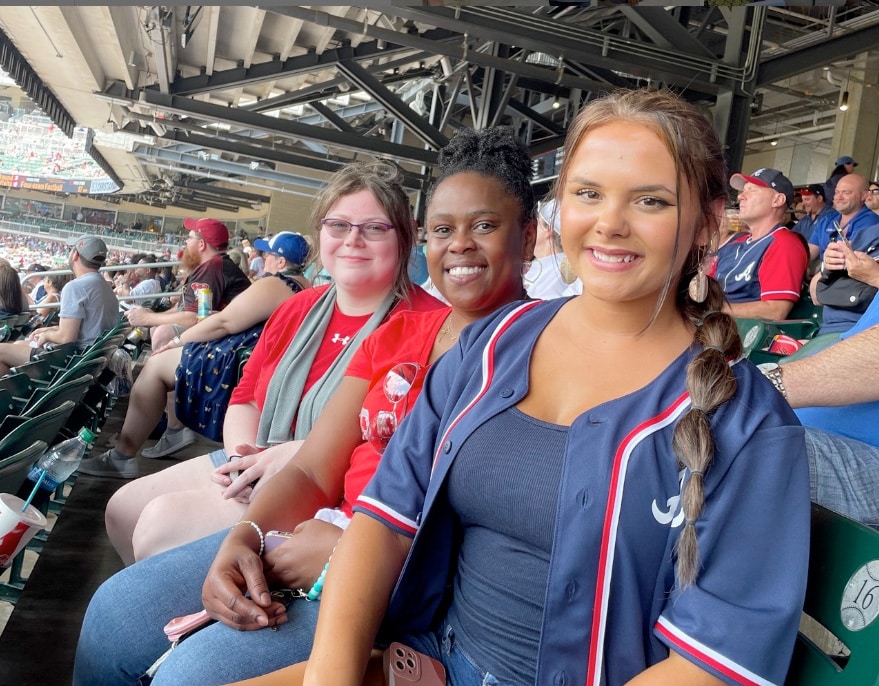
371 231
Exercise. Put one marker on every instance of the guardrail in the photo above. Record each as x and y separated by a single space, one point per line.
114 268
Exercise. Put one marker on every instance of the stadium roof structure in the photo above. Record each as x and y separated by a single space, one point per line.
212 106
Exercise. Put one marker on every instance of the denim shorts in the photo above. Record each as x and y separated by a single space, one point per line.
460 668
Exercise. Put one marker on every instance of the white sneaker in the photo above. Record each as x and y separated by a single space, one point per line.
107 465
170 443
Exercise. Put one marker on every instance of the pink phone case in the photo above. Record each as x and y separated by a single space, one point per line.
180 626
406 667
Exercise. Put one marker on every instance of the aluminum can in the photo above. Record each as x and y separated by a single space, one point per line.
783 344
203 298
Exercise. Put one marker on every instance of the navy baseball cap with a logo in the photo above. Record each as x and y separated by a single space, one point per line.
768 178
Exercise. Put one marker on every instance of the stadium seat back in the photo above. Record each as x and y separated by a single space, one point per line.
842 596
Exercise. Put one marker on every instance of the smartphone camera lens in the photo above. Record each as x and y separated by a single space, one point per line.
400 666
399 652
410 662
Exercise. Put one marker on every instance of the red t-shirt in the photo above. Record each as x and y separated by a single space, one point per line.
282 326
406 337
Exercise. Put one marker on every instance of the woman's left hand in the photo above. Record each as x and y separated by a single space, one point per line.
299 561
253 466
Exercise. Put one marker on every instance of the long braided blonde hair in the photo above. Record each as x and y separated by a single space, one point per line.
698 159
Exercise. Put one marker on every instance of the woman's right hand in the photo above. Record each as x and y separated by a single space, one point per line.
238 569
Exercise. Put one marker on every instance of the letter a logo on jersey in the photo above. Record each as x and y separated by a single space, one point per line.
674 515
746 275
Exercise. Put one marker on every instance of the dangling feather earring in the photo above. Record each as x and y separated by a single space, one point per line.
568 273
698 288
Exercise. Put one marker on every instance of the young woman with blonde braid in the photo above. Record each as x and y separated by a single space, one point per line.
593 490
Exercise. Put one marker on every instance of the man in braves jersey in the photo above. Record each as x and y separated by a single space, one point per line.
762 272
205 255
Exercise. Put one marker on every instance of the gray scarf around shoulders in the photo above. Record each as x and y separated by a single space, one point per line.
284 397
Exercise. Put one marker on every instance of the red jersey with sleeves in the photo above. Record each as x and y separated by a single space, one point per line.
783 267
767 268
221 275
406 337
280 329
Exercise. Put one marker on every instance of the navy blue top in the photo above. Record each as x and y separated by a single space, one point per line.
504 489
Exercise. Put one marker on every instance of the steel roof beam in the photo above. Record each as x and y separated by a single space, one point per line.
208 188
817 55
600 49
234 168
236 117
660 26
333 118
273 70
272 154
450 49
419 126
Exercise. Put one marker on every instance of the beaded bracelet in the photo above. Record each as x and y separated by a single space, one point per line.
262 538
317 589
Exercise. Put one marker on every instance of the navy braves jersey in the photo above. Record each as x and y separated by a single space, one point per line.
611 605
768 268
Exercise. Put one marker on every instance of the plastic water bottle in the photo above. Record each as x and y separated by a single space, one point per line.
62 460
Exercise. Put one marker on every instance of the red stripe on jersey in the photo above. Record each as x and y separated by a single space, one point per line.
487 370
387 516
611 513
702 656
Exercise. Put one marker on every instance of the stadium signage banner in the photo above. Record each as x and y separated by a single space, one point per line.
48 184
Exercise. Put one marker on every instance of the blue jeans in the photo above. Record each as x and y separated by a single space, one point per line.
844 475
460 669
122 631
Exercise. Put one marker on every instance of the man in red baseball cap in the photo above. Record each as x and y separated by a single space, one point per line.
816 208
209 267
762 271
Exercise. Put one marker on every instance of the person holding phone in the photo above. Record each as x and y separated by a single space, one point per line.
480 222
608 449
851 243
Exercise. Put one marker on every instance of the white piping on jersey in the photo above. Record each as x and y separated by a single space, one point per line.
710 656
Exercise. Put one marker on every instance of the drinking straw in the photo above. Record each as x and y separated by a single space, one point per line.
34 490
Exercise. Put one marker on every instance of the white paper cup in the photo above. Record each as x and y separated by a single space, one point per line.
17 528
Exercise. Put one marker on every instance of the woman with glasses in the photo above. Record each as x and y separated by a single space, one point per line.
303 350
480 226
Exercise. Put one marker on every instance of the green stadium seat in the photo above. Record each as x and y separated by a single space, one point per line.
842 596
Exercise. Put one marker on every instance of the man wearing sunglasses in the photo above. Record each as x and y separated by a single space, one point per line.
209 267
872 200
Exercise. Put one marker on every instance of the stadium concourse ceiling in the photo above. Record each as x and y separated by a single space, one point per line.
215 106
